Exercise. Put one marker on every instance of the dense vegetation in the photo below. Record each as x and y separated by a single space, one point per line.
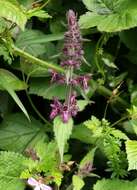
68 94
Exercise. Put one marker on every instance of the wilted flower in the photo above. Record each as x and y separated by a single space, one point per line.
38 185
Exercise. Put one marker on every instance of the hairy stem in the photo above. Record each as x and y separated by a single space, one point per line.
36 61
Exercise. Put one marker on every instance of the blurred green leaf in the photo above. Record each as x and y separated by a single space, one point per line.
78 183
37 13
108 184
131 150
15 13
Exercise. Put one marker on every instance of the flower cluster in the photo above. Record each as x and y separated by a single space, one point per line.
72 58
72 43
66 111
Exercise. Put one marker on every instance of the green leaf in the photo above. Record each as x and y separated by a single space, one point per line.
15 13
128 37
110 15
82 133
62 133
5 53
47 90
10 80
118 134
11 167
38 13
107 184
78 183
34 37
88 4
26 41
89 158
131 150
82 104
16 99
17 129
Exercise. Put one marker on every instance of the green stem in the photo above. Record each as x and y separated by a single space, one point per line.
106 92
36 61
36 110
32 104
99 45
118 121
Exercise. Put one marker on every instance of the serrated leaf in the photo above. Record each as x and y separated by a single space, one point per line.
38 13
110 16
62 133
28 37
131 150
11 167
26 41
83 134
47 90
118 134
78 183
17 129
107 184
15 13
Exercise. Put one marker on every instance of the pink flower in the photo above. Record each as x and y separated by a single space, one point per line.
38 185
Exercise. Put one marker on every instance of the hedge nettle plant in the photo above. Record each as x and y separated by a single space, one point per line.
71 61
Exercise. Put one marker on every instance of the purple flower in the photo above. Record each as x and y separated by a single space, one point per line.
83 81
64 110
38 185
56 108
56 77
72 57
72 43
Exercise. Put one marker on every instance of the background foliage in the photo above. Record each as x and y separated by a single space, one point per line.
98 149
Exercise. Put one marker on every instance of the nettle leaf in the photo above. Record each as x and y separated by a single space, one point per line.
4 52
131 150
26 41
82 133
18 130
110 15
47 90
118 134
62 133
78 183
15 13
107 184
11 167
